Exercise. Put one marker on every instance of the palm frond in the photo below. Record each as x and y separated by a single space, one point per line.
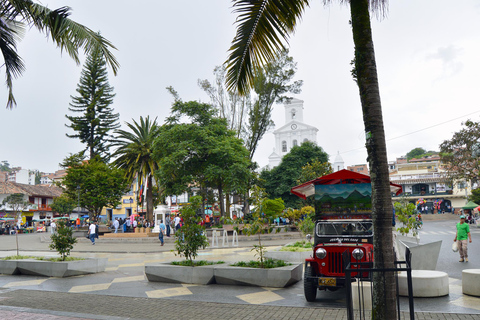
262 28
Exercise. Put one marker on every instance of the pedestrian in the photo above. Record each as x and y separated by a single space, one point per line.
116 224
463 233
129 224
53 227
135 224
167 224
162 231
177 221
92 232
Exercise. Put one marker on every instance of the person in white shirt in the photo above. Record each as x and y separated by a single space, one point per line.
53 227
92 232
116 224
135 223
177 221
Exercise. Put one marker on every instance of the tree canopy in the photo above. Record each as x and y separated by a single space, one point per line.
200 151
94 119
99 185
458 154
278 181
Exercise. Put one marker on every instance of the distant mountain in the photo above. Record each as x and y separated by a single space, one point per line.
356 196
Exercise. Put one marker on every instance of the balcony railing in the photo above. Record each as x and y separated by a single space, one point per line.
39 207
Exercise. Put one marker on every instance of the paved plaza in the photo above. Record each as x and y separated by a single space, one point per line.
123 292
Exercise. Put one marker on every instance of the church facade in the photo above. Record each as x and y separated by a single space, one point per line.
293 133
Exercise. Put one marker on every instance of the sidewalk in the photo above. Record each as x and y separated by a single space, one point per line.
89 306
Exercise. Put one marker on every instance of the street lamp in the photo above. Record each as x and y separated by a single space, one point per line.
131 201
78 193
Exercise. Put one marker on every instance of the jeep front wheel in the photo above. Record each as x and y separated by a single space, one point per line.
309 287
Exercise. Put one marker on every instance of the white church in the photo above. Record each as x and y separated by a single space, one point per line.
294 132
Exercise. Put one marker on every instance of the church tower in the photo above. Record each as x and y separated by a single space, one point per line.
293 133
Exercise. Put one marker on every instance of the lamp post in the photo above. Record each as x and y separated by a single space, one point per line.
78 193
131 201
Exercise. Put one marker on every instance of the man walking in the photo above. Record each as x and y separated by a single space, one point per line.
167 224
463 233
92 230
116 224
162 231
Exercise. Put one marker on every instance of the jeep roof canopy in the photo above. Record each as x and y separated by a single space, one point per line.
340 177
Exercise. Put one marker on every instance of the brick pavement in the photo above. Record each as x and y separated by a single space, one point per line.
22 304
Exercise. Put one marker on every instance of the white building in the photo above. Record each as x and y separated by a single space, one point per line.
23 176
293 133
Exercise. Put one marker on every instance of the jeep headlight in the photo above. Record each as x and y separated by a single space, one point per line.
357 254
321 253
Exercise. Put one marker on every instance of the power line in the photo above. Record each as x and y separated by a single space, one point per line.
406 134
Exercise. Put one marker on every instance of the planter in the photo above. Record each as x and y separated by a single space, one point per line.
142 230
166 272
58 269
289 256
274 278
148 230
225 274
137 230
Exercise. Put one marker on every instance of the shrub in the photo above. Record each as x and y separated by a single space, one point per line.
63 240
191 236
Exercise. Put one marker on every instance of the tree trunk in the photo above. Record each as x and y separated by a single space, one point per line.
149 198
384 296
227 205
220 200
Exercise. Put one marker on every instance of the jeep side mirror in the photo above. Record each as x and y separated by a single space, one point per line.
309 237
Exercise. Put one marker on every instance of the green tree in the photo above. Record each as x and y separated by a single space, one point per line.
62 240
18 16
100 185
475 196
406 212
262 26
191 235
279 180
416 153
134 154
201 152
5 166
265 211
17 203
93 119
459 154
63 205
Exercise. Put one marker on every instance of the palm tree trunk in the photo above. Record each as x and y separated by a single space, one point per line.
384 296
149 198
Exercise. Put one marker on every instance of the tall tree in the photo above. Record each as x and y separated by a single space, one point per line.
17 16
461 155
251 117
96 120
99 184
415 153
134 154
200 152
262 26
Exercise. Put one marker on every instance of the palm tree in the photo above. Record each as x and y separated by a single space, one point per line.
16 16
135 155
262 26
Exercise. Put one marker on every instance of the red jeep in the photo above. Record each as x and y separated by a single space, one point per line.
343 228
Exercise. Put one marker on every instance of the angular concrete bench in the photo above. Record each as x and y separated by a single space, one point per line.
471 282
426 283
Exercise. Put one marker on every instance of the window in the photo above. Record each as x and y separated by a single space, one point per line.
305 140
284 146
293 114
295 143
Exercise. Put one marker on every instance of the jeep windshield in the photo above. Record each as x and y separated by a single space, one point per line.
344 228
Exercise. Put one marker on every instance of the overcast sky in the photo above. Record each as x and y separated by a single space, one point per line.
427 59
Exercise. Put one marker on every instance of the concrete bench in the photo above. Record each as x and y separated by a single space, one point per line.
426 283
471 282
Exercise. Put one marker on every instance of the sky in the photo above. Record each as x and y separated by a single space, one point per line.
427 60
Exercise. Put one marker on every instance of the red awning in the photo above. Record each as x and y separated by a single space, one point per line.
340 177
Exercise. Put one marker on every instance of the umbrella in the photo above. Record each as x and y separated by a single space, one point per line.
85 216
470 205
7 219
60 218
208 211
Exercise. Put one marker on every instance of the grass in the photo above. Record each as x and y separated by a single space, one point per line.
299 246
199 263
267 264
20 257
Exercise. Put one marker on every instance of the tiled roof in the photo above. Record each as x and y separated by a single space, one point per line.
31 190
415 181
